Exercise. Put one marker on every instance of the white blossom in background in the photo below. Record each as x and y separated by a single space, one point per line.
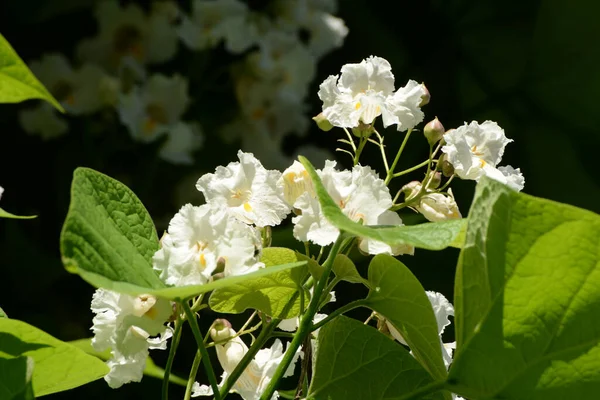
295 181
213 21
43 120
1 191
442 309
361 195
360 94
248 190
183 139
257 375
80 91
129 326
405 104
199 240
155 108
127 35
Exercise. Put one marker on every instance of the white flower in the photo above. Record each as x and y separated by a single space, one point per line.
1 191
79 91
129 326
510 176
475 150
127 35
43 120
183 139
294 182
434 206
405 105
248 190
154 109
442 309
201 238
213 21
361 195
257 375
360 95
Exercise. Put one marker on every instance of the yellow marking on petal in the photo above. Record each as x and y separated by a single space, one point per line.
247 207
149 126
482 162
378 110
202 260
290 176
357 106
151 313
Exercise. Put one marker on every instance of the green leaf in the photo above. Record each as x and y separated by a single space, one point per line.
15 378
151 368
58 365
398 295
527 299
178 293
108 232
315 269
276 294
17 82
2 313
6 214
430 235
345 270
355 361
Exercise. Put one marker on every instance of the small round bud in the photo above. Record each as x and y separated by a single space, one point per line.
322 122
433 131
426 97
221 263
221 330
363 130
434 180
445 166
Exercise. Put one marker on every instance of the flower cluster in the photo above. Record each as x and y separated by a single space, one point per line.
270 81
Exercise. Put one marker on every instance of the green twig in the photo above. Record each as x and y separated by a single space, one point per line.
390 172
172 350
343 309
192 377
306 322
361 146
406 171
210 373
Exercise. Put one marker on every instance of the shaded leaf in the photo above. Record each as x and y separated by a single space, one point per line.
355 361
59 366
345 270
430 235
527 299
15 378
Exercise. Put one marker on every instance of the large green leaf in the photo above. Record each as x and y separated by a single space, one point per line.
58 366
17 82
355 361
430 235
270 294
527 299
398 295
108 232
151 368
15 378
178 293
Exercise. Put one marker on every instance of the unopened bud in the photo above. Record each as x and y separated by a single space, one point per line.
221 263
445 166
434 180
221 330
425 97
363 130
433 131
322 122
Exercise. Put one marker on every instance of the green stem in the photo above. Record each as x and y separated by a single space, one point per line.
382 148
350 139
306 322
265 333
210 373
344 309
192 377
423 391
361 146
390 173
406 171
172 350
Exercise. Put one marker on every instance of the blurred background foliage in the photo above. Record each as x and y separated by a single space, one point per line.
531 66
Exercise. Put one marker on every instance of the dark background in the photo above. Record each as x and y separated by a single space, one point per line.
532 66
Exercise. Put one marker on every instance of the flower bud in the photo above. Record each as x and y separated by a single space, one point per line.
363 130
445 166
221 330
434 180
433 131
426 97
322 122
221 263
